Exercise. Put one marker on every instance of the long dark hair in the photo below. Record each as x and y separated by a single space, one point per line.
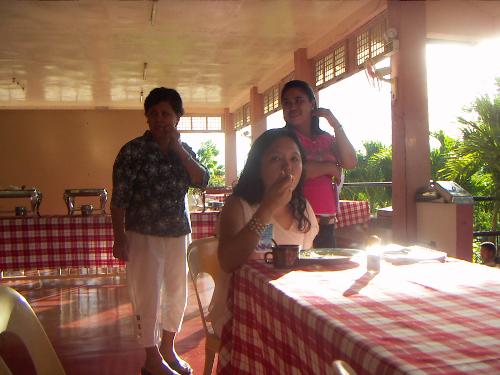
250 186
307 89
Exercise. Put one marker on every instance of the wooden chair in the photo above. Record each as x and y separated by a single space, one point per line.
202 258
17 319
341 368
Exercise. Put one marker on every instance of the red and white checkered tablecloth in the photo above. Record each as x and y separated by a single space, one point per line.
56 242
203 224
432 318
70 241
352 212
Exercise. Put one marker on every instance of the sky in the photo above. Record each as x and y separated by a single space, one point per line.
456 74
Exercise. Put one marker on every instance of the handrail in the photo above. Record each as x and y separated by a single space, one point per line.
484 199
486 233
367 184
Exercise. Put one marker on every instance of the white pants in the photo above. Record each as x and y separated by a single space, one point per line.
157 283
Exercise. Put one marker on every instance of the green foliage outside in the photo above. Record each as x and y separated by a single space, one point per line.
207 155
473 162
374 165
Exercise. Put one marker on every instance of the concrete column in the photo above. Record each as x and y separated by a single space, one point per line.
304 69
257 118
410 128
230 150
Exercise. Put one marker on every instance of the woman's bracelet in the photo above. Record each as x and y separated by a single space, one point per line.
256 226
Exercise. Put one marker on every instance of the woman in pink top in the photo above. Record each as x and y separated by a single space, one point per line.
326 154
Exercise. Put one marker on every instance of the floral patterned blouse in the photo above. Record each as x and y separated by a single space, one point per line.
152 188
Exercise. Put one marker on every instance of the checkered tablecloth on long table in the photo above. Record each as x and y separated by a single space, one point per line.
352 212
432 318
56 242
69 241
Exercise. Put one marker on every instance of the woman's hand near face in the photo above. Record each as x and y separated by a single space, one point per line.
172 137
344 150
279 193
328 115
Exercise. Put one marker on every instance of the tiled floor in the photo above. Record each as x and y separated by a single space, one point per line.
89 322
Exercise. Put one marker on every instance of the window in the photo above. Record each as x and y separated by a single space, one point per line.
331 65
371 42
200 123
272 99
242 117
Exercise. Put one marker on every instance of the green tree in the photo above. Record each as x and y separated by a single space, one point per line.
207 155
374 165
439 156
474 163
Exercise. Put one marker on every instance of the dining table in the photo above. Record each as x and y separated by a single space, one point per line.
432 317
70 241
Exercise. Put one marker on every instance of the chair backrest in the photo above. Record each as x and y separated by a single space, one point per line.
18 318
202 258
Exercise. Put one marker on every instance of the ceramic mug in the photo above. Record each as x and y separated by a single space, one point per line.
283 256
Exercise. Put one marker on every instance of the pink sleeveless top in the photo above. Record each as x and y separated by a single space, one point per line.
320 191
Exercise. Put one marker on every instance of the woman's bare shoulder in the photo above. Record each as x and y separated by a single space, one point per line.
232 215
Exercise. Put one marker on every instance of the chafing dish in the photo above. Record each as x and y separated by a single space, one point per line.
71 194
33 194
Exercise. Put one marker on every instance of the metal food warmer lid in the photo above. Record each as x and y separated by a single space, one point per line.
71 194
33 194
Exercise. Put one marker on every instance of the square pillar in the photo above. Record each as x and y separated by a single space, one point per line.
230 149
411 167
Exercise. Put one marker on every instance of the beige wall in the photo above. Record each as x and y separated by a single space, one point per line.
55 150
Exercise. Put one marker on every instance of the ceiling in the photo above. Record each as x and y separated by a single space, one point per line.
91 54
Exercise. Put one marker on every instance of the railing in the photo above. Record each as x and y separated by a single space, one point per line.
486 234
371 192
223 191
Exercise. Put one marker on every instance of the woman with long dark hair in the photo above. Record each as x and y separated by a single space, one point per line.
326 154
268 195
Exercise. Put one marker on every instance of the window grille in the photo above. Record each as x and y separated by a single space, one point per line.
246 114
242 117
238 119
272 96
200 123
214 123
371 43
331 65
272 99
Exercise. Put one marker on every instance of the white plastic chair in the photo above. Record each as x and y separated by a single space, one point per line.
18 318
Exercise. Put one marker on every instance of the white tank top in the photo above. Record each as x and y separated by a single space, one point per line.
291 236
219 313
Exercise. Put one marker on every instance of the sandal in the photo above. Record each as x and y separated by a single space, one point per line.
181 366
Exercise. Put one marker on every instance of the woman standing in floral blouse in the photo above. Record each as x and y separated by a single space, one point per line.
151 176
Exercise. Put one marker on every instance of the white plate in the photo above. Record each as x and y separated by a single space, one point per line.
329 254
413 254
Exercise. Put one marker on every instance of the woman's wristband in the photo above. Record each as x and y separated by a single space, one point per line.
256 226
